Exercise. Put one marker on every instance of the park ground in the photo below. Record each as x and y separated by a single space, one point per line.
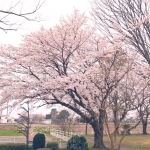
133 142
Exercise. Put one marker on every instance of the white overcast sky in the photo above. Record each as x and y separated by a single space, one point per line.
51 11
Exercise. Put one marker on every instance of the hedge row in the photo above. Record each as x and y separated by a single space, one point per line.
12 146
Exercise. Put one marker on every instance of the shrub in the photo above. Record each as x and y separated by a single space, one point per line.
126 129
39 141
52 145
77 143
12 146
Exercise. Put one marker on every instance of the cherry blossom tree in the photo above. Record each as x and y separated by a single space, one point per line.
70 65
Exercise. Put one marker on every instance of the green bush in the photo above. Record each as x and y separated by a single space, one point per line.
77 143
39 141
126 129
12 146
52 145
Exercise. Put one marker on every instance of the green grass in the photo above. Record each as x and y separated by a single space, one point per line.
10 133
140 142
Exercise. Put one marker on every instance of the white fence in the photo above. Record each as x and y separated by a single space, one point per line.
65 136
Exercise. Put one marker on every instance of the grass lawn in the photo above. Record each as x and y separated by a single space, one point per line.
138 141
141 142
10 133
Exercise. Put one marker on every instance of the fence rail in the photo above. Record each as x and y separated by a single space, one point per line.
65 136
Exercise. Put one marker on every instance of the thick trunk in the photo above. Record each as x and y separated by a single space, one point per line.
98 135
98 128
144 124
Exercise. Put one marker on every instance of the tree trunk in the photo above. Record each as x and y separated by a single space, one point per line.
27 138
116 122
27 142
86 127
144 125
98 128
115 113
28 126
98 135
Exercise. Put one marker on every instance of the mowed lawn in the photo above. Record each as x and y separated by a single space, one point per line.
141 142
10 133
138 141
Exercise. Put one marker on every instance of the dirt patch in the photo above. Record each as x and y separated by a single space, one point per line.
8 127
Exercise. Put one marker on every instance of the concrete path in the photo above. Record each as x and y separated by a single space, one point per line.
107 144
